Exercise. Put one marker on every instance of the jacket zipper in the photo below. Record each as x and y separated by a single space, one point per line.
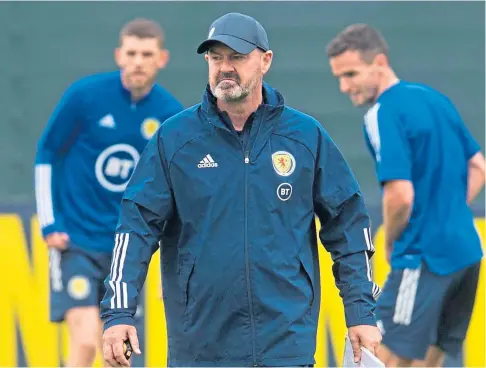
247 264
247 257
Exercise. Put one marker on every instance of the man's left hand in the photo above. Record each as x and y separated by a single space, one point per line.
366 336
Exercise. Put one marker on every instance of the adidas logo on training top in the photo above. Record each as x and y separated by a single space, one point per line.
207 161
107 121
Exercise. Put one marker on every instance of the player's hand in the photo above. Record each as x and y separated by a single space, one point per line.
57 240
113 341
366 336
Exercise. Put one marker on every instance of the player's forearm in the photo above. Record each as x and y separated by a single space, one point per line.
475 176
475 184
396 214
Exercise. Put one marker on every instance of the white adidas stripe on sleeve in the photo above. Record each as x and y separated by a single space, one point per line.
43 194
119 288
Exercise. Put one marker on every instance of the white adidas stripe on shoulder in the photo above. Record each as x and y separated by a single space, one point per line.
372 128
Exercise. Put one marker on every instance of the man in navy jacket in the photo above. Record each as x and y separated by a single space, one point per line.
234 183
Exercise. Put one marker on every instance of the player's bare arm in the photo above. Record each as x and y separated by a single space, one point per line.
398 198
476 176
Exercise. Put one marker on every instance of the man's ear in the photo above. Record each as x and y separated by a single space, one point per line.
164 57
381 60
267 61
117 57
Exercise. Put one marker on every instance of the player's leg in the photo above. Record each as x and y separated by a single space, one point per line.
84 335
456 316
435 357
387 357
75 299
408 312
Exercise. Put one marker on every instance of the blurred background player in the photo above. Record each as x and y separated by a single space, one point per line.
430 169
84 160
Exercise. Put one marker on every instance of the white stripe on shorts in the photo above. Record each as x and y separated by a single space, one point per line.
406 296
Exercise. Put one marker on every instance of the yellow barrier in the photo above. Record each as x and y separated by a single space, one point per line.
24 295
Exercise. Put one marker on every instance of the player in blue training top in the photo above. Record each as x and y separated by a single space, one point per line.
84 160
430 169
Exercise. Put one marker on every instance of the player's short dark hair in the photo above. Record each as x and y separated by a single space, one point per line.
143 28
358 37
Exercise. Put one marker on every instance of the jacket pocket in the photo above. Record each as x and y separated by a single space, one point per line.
306 267
185 270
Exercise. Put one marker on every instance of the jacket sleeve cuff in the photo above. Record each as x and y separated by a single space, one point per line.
124 320
359 313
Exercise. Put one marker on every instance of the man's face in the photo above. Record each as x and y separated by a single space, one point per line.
357 78
232 76
140 59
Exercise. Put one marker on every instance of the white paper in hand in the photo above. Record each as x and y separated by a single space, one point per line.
368 360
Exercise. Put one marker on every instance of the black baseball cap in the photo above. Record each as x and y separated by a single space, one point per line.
239 32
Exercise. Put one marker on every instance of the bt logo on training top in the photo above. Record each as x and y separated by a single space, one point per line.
115 165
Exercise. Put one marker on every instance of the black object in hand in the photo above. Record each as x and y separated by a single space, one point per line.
127 349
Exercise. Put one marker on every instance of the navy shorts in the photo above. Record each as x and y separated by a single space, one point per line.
419 308
76 279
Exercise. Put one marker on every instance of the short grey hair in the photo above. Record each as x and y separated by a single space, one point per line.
358 37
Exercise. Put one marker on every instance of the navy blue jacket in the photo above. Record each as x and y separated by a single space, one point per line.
240 259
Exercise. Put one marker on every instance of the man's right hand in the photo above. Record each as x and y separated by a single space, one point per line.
57 240
113 339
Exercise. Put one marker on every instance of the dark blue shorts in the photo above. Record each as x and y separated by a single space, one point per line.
76 279
419 308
